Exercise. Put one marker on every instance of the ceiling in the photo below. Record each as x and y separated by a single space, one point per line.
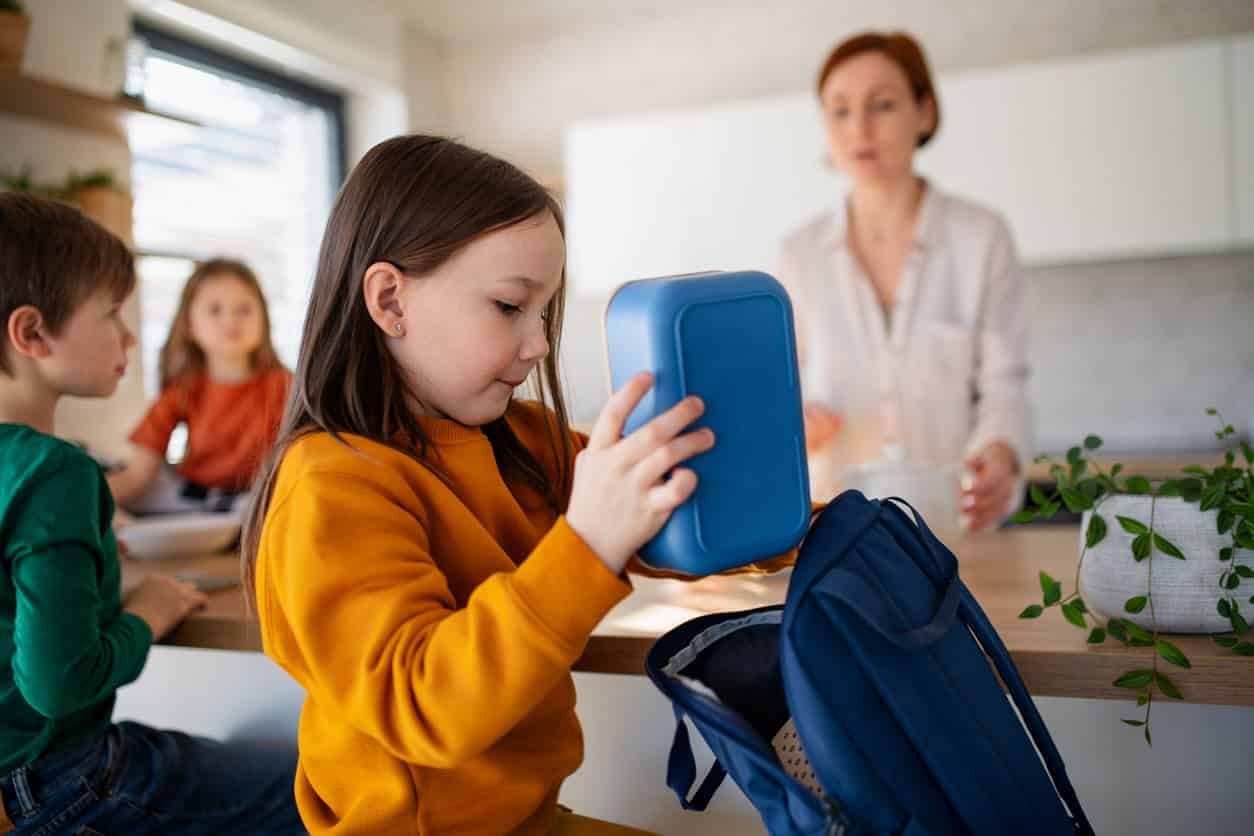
464 20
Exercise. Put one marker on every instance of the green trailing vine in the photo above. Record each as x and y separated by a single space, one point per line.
1081 485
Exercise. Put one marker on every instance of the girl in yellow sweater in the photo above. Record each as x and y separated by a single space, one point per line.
429 555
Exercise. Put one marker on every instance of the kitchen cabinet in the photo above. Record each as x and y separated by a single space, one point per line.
1108 156
1240 89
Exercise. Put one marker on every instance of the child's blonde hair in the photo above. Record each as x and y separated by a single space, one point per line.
414 202
181 359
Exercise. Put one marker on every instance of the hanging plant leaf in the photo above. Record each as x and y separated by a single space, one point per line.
1137 632
1172 654
1168 687
1137 723
1115 627
1225 521
1074 455
1191 489
1167 547
1021 517
1075 500
1141 547
1136 604
1225 553
1239 624
1137 485
1097 636
1096 531
1134 679
1033 611
1038 495
1092 442
1213 496
1244 571
1244 649
1132 526
1050 589
1225 608
1072 613
1225 641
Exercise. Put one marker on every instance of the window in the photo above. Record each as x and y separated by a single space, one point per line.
254 180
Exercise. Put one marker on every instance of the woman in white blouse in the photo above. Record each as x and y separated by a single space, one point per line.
908 301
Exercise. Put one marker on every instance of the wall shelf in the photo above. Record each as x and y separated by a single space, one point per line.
37 98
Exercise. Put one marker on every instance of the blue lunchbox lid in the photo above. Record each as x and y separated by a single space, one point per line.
728 338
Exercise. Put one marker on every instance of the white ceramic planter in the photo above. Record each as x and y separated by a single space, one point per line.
1185 592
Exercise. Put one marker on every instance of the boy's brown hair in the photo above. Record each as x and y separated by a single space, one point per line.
53 257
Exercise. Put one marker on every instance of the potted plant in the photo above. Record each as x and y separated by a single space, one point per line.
97 193
1155 558
102 199
14 27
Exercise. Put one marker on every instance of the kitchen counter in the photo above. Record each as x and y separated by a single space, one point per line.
1000 569
1153 466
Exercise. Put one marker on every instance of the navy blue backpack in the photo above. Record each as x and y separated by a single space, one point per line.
880 660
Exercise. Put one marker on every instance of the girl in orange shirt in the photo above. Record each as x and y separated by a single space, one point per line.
428 553
221 377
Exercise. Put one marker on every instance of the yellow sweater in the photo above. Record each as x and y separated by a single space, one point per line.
434 627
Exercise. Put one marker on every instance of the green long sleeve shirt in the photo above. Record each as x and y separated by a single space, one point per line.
65 644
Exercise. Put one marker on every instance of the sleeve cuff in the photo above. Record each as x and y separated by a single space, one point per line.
567 586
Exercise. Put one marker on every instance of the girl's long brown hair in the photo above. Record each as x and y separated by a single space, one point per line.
413 201
181 359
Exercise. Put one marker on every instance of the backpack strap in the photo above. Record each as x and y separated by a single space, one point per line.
996 651
681 769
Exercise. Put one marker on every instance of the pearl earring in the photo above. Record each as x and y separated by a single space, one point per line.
400 330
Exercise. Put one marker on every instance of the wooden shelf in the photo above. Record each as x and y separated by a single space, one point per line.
49 101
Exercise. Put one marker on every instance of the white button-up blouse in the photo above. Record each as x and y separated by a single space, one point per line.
946 371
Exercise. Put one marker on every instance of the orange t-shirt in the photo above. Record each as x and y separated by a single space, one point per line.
230 426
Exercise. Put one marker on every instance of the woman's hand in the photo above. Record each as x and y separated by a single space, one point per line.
822 425
986 499
621 496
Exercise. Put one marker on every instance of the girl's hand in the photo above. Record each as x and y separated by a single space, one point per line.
985 500
620 497
822 425
163 602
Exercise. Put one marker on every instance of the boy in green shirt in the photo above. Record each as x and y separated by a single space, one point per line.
67 640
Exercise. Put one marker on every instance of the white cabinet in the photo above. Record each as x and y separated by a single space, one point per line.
1115 155
1241 110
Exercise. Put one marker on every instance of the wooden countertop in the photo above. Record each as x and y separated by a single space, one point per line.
1154 467
1000 569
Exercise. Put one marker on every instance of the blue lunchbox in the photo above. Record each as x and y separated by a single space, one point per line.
728 338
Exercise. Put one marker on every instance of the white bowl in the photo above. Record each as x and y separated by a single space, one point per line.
176 535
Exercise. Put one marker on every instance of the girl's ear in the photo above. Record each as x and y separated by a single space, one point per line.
26 332
381 288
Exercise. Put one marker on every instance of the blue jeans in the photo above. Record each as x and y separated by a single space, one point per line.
136 780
